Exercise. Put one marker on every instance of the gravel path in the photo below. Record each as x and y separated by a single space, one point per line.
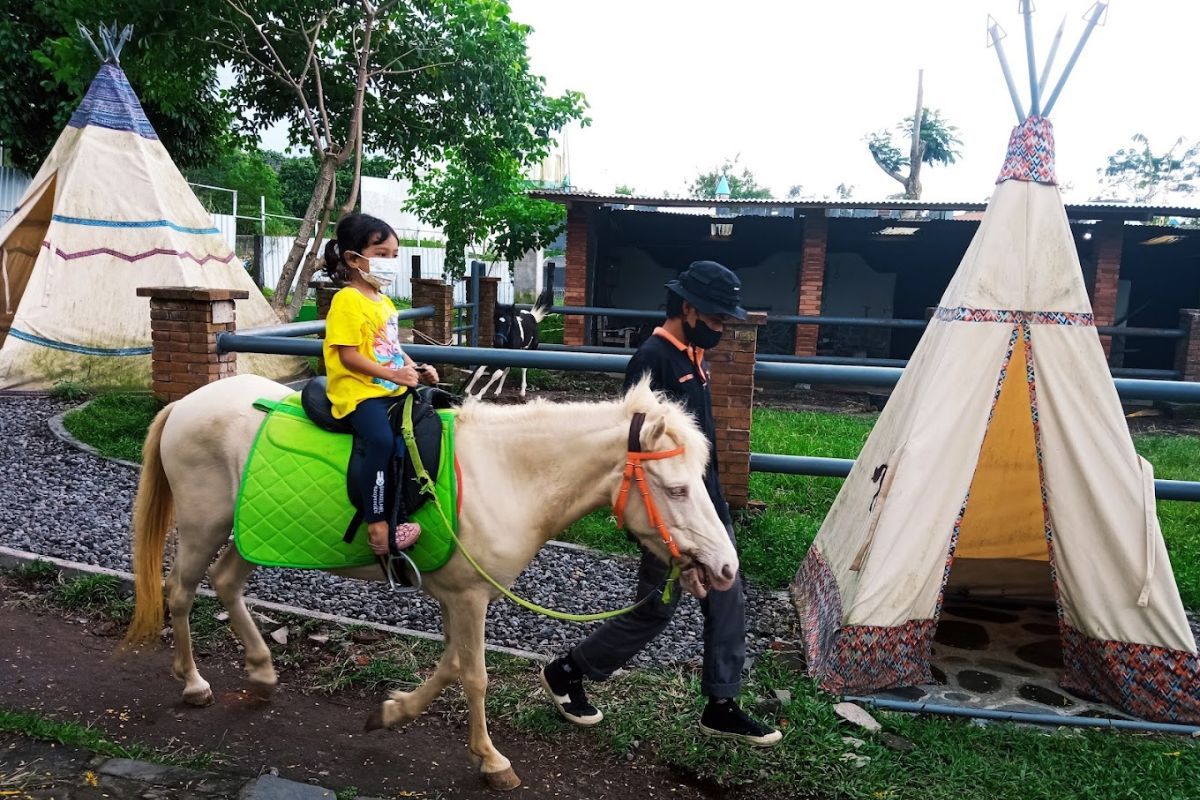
59 501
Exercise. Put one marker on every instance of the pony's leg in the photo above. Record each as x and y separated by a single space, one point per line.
524 373
502 374
228 577
195 550
482 368
466 621
403 707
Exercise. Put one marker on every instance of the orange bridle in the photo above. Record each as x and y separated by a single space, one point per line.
635 472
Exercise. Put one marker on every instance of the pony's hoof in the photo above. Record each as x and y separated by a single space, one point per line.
503 781
199 698
260 690
375 720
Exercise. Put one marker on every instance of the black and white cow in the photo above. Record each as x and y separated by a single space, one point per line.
515 330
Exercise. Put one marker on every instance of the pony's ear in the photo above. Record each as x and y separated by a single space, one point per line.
653 432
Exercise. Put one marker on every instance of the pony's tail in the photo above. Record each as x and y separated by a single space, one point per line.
153 518
542 305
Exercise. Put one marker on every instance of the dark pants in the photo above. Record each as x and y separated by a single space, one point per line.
618 640
380 445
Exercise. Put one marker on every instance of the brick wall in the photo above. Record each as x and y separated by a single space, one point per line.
576 263
439 329
184 325
732 385
1103 291
812 281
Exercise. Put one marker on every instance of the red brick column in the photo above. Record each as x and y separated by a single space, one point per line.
732 384
576 270
184 325
433 292
1187 351
1103 291
489 289
812 281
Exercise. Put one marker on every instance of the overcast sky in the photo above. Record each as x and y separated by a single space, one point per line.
677 85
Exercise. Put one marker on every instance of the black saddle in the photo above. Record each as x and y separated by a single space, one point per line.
427 430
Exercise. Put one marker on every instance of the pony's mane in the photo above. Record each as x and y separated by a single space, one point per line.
680 424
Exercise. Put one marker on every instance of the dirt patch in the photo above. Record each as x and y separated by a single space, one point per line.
64 668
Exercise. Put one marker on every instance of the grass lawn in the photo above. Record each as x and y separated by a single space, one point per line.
773 542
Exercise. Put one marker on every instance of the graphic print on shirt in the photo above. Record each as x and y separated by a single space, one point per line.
387 349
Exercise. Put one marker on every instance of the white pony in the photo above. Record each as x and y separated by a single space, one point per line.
527 473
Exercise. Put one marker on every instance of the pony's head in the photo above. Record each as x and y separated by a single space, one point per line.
677 490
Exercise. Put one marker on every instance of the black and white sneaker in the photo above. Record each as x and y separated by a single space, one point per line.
725 720
563 682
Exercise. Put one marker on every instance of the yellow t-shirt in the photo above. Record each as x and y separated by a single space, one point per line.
371 327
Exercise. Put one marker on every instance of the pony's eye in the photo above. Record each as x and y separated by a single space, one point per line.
677 492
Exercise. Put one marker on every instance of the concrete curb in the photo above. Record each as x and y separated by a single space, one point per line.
10 557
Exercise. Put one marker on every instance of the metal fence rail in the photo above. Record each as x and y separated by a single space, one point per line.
265 340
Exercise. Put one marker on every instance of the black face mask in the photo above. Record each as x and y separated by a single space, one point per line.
700 335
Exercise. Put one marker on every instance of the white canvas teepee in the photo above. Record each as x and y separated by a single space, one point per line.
1002 466
108 212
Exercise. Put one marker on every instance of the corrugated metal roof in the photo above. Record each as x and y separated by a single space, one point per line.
1077 210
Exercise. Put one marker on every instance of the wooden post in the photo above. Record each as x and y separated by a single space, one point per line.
185 322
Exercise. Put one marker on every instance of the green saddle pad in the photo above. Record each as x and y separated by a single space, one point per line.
292 509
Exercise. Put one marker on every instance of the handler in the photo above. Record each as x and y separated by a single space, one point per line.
699 302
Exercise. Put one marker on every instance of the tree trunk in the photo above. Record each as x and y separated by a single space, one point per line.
912 185
316 255
316 205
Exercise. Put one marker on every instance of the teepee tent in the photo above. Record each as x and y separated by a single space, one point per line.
1002 466
108 212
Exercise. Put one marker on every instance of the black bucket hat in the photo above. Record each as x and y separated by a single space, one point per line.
711 288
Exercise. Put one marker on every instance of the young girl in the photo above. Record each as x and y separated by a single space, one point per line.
365 366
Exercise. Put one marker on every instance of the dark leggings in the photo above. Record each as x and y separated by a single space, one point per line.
374 431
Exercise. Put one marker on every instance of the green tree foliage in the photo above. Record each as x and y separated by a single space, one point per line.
298 175
939 144
486 208
625 189
46 66
1139 174
742 184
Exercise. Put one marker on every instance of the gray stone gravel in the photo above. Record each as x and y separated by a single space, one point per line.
59 501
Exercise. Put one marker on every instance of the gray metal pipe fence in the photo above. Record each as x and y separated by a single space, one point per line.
615 363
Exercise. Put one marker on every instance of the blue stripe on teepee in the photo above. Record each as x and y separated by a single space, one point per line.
111 103
79 348
119 223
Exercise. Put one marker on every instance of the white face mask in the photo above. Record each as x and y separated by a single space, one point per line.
377 282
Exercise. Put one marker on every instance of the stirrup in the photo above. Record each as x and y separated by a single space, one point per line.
395 579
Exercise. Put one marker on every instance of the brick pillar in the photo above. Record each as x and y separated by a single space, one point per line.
489 289
732 384
576 268
1103 291
1187 351
440 327
812 280
184 325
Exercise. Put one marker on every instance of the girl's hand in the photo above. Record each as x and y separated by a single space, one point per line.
428 374
405 376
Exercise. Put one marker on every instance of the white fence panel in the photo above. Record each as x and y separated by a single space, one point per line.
13 184
227 224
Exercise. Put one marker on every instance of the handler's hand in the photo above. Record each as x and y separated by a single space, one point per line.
692 581
428 374
405 376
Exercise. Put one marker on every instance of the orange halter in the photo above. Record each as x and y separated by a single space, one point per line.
635 472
